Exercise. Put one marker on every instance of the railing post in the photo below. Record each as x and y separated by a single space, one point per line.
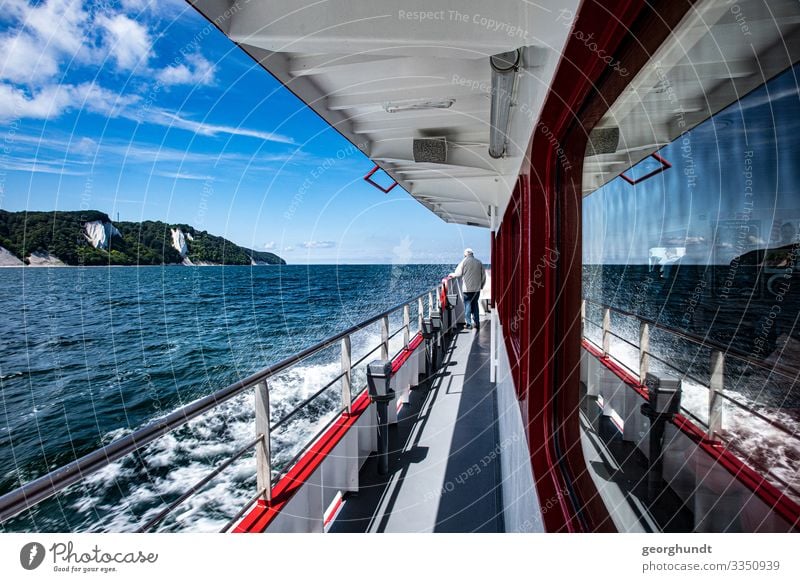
644 350
420 309
263 453
385 337
430 303
406 323
606 330
583 318
346 365
715 394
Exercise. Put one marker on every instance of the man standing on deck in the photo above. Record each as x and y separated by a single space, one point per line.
473 278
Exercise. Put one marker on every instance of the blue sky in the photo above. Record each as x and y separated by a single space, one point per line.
142 108
732 187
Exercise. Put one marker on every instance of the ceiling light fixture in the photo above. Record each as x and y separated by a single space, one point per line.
504 80
417 104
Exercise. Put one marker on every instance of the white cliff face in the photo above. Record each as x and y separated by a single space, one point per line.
8 259
179 242
99 233
44 259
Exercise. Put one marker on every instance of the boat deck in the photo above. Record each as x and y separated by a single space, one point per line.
444 471
619 471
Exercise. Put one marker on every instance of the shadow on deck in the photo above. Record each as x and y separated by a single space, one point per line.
444 469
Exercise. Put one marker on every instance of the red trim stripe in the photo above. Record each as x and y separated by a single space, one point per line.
746 475
265 513
404 355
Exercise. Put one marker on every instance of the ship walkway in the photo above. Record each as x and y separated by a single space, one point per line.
444 473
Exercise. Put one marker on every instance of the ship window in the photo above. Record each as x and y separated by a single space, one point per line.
691 223
708 251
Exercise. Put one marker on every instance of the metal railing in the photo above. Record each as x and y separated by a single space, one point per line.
717 365
42 488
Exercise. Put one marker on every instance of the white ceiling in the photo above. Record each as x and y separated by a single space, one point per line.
348 59
719 52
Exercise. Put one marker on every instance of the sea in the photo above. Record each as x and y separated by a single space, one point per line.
750 313
92 354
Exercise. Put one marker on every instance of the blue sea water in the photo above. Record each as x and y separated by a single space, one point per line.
90 354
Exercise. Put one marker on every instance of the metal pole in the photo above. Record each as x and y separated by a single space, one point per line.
420 315
606 330
644 350
263 454
346 380
430 303
385 337
406 324
717 384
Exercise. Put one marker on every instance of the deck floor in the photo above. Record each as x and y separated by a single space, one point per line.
619 471
444 473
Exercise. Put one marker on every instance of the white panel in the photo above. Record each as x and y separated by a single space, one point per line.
521 507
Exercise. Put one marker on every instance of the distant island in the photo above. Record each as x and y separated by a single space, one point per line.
90 238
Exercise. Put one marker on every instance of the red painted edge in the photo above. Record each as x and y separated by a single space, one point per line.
259 518
264 513
619 370
746 475
665 165
369 180
334 510
404 355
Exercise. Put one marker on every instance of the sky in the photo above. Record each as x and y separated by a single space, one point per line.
733 187
143 110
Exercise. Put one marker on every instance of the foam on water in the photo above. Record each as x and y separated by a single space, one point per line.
762 445
166 341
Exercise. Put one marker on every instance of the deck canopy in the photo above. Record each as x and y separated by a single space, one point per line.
385 74
720 52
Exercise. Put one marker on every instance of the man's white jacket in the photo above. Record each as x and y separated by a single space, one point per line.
472 273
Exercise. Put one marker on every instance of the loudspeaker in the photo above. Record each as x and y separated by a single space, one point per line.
602 141
430 150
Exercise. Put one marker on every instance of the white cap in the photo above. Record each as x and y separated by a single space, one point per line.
467 251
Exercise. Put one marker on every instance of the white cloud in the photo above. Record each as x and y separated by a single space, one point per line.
44 35
24 61
155 5
288 249
322 244
269 246
168 119
52 100
17 164
182 176
127 41
40 40
196 71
